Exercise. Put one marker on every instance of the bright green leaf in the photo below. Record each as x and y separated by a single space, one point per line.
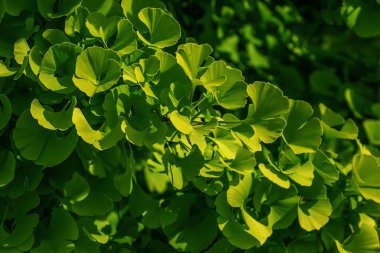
302 133
53 120
96 70
164 30
266 117
57 67
97 138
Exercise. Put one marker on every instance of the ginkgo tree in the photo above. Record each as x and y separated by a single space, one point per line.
117 138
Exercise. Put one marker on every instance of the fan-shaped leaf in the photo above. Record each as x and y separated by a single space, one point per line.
331 120
313 215
191 56
97 138
57 67
182 123
164 30
274 176
132 8
237 194
76 189
53 120
366 240
5 71
96 70
215 75
302 133
266 117
366 171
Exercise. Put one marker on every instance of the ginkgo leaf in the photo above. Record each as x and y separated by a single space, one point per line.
191 56
227 146
246 134
5 71
55 36
324 167
215 75
132 8
232 93
164 30
147 136
53 120
97 70
255 228
21 50
97 138
366 172
35 59
237 194
314 214
116 33
266 117
101 26
75 23
237 234
181 123
302 132
57 67
330 120
42 146
303 174
244 161
283 213
76 189
366 240
125 41
274 176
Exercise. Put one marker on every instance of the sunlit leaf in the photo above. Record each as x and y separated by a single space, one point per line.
97 138
96 70
366 171
53 120
266 117
57 67
302 132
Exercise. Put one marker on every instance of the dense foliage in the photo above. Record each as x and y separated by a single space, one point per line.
120 132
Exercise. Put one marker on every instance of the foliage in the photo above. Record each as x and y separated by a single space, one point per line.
119 134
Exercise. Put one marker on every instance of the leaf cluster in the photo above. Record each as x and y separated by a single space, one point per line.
118 134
